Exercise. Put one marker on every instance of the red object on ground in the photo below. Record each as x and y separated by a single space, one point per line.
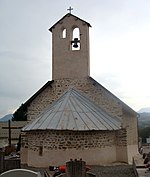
62 168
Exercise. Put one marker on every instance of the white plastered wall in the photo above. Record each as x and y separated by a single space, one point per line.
95 156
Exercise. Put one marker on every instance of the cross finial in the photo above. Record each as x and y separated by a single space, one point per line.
70 9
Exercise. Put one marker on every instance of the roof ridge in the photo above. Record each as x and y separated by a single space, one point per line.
80 112
68 15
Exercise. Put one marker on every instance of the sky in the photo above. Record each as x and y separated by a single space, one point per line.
119 47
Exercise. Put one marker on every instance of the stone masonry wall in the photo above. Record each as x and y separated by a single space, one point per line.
62 140
121 137
87 86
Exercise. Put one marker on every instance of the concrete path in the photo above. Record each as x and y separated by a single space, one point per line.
140 166
142 172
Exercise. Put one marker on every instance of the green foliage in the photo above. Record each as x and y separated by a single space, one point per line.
20 114
144 133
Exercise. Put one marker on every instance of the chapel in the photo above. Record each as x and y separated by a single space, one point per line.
73 116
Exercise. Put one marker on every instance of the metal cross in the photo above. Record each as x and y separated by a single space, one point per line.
70 9
9 130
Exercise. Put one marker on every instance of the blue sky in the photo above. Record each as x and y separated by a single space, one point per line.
119 47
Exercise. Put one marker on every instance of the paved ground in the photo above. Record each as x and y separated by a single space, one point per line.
140 166
113 171
139 161
143 172
117 170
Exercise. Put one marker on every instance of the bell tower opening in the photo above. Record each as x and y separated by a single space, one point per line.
75 43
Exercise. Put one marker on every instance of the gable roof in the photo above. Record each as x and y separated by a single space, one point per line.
27 103
124 105
73 111
68 15
94 82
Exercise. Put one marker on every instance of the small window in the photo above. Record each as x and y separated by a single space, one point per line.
64 33
40 150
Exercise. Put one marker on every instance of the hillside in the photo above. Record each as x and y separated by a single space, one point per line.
6 118
144 110
144 120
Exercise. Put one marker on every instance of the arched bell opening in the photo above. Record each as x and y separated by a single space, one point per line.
75 43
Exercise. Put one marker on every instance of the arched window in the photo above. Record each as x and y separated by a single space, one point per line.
63 33
75 39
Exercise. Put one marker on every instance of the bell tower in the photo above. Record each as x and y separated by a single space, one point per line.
70 48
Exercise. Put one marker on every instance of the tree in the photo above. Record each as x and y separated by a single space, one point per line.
20 114
144 133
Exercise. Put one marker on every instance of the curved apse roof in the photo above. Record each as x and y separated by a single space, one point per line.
73 111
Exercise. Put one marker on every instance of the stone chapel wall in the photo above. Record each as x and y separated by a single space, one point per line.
87 86
56 147
56 140
130 123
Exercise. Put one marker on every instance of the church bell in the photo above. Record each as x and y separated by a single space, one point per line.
75 42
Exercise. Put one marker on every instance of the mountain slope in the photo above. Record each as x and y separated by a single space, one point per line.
144 110
6 118
144 119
